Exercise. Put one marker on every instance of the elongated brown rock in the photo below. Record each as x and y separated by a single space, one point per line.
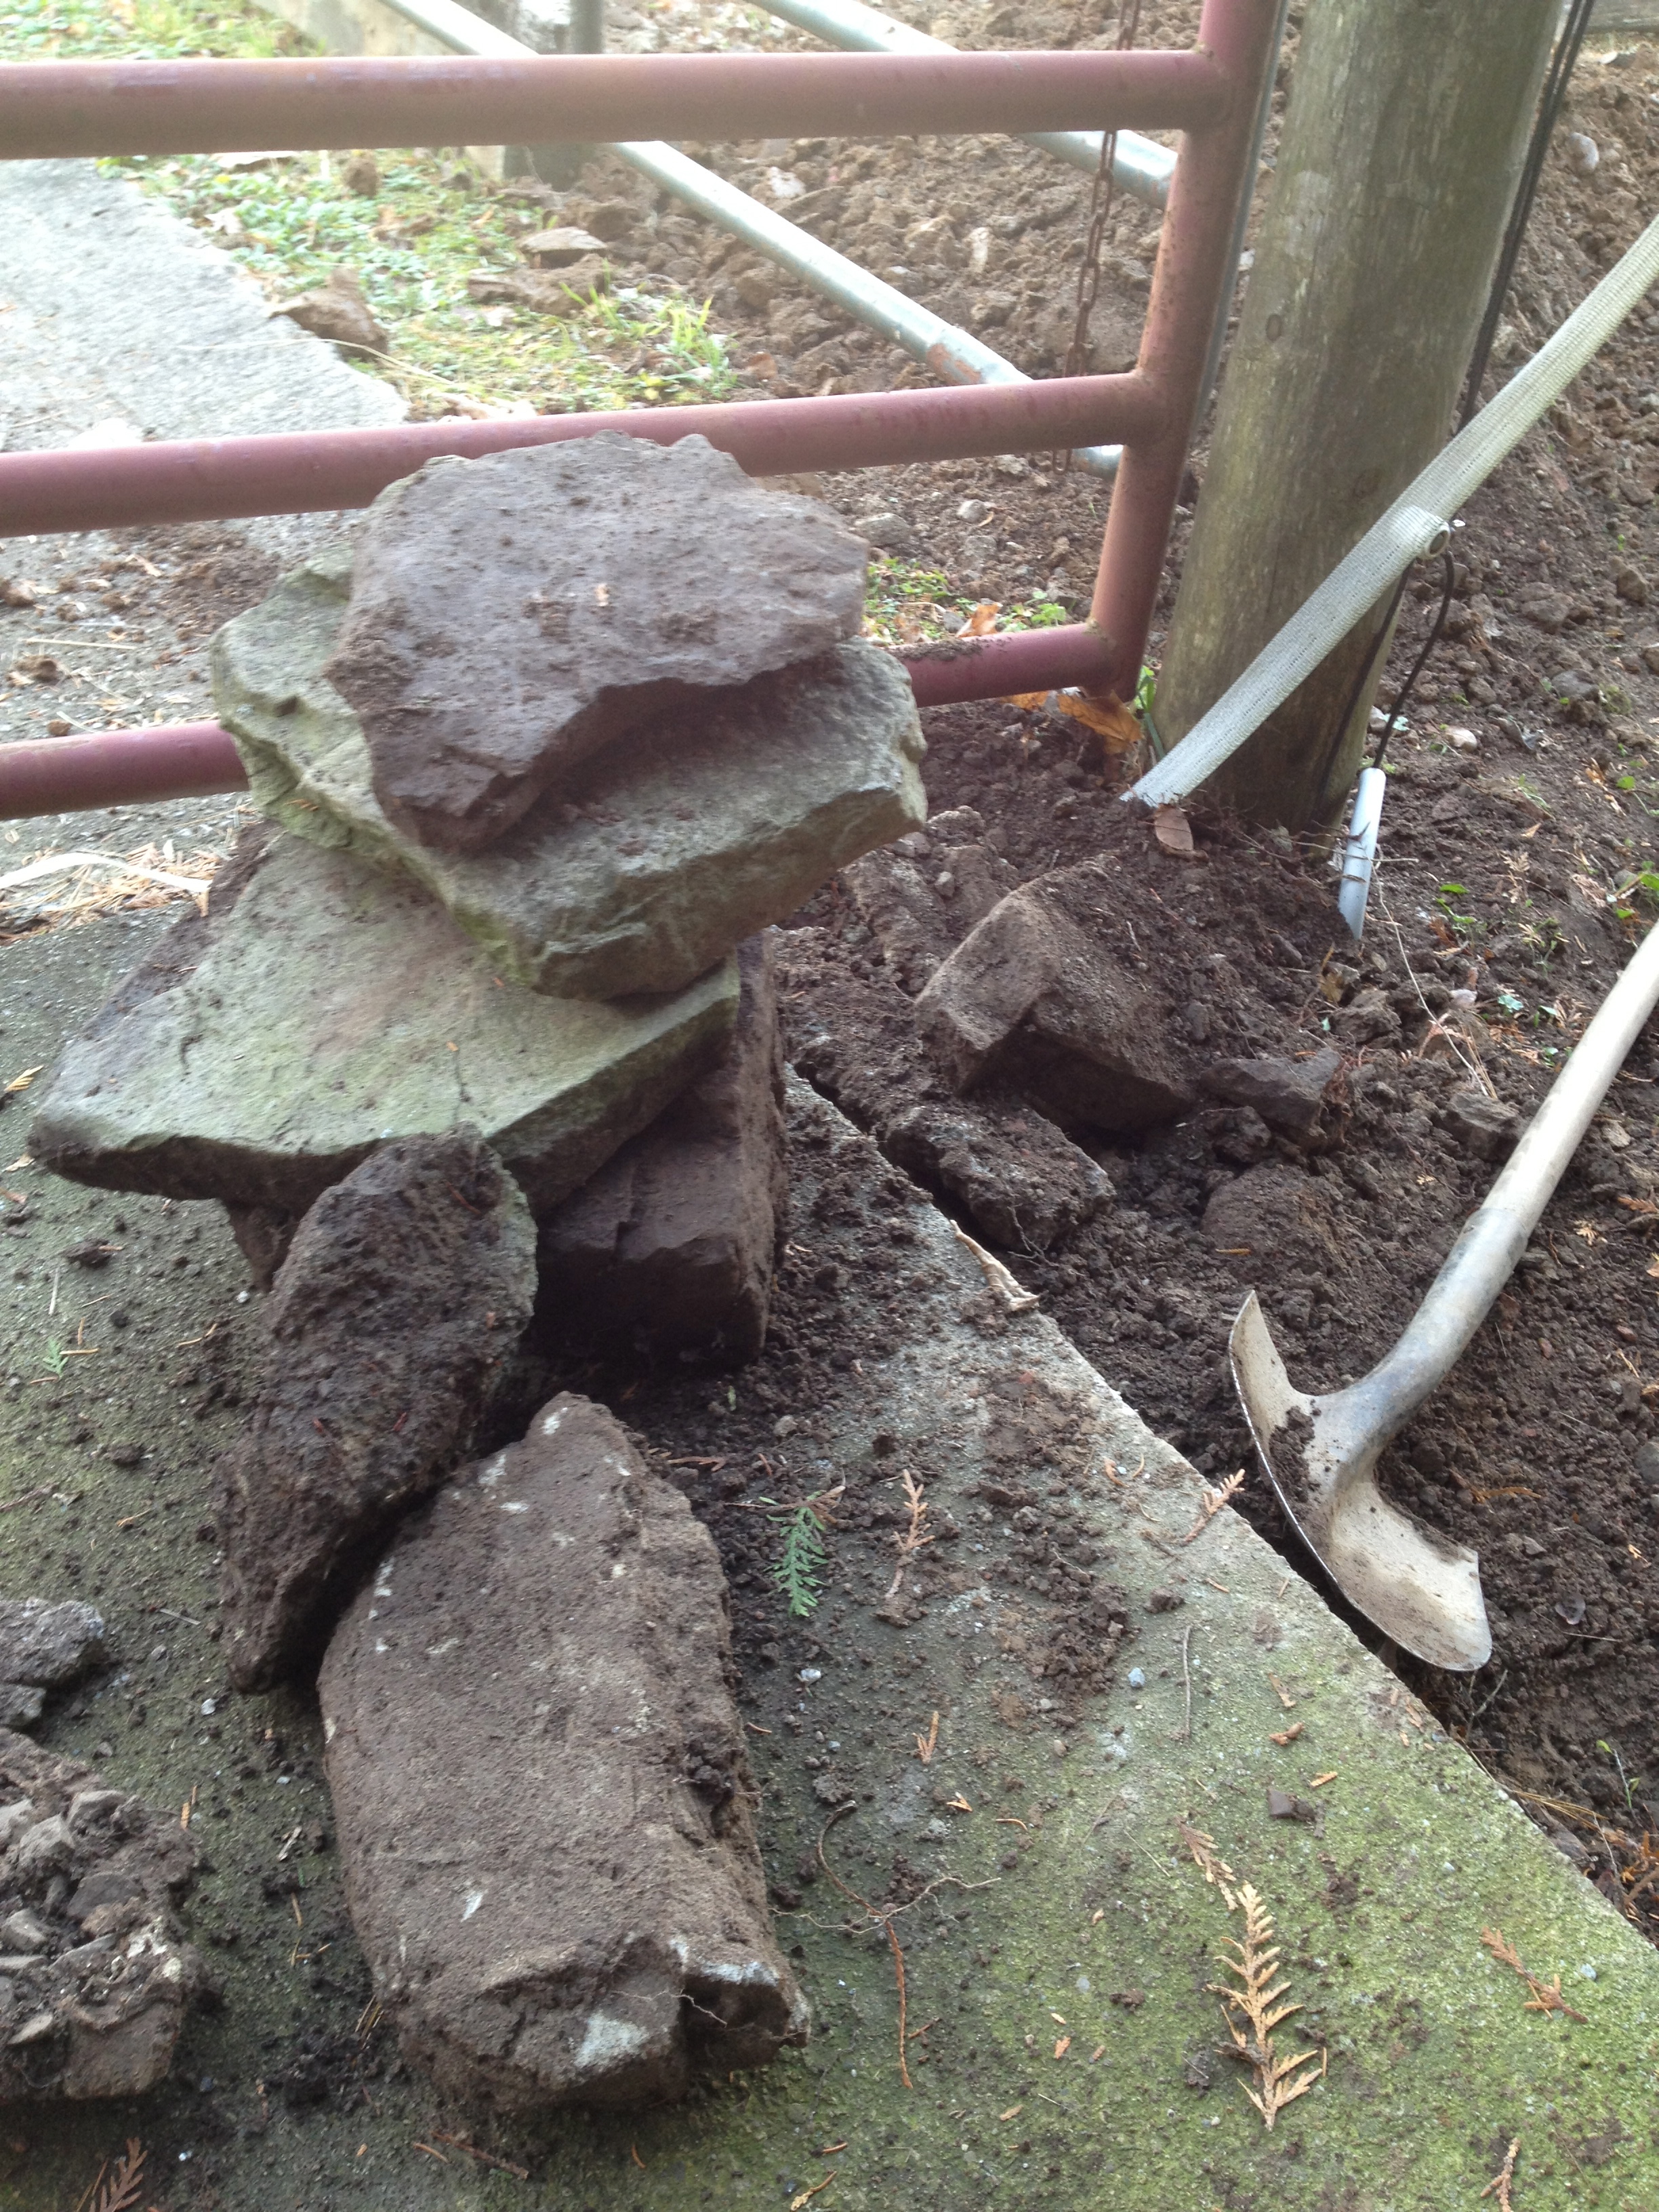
403 1296
511 615
541 1790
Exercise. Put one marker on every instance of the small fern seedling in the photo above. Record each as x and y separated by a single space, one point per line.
798 1571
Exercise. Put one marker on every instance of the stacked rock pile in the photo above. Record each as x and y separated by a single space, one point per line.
563 728
480 1017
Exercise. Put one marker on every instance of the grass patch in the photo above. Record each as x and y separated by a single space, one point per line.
906 604
434 222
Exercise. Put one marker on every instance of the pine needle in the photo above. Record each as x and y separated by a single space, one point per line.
121 2186
1252 2011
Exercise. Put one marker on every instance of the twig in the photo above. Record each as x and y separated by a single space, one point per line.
806 2196
487 2158
1184 1734
884 1922
1500 2181
1252 2011
928 1744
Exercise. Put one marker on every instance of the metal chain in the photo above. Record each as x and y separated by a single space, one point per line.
1100 210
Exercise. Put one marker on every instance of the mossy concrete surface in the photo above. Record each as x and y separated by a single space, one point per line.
1069 2034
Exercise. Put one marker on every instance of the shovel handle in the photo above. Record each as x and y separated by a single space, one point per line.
1495 1235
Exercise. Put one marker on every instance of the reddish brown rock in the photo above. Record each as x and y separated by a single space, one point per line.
673 1241
405 1293
542 1795
94 1976
337 310
1032 998
510 616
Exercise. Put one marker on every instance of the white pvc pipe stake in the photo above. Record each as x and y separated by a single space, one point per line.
1360 851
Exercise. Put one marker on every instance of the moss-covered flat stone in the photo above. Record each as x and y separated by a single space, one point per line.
323 1006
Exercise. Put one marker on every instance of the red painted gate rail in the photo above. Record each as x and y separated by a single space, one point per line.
100 107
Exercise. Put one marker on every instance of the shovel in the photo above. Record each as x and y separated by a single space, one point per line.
1321 1452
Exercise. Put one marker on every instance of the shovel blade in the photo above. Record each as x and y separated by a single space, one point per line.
1320 1458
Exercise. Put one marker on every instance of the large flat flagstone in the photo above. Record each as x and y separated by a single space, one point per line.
695 830
324 1006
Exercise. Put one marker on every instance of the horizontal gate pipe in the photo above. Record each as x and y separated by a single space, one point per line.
195 760
117 767
1404 532
1139 165
300 472
951 353
53 108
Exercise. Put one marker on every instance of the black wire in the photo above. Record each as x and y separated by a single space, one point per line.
1422 659
1562 63
1368 669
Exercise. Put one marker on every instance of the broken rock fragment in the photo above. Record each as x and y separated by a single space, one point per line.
510 616
1024 1183
1031 998
674 1241
1291 1095
48 1644
392 1317
543 1799
705 823
94 1977
323 1008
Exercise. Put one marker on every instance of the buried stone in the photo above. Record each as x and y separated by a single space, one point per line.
323 1008
672 1243
392 1320
570 591
567 1906
714 816
1031 998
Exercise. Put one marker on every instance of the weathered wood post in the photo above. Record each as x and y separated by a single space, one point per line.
1406 126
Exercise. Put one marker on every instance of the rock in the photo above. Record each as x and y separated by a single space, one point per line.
667 850
673 1241
544 291
388 1332
567 1906
1647 1466
558 247
361 175
96 1975
1547 611
46 1644
1030 999
338 311
887 532
1023 1183
1290 1095
1487 1127
20 1704
187 1081
920 908
1631 585
510 616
